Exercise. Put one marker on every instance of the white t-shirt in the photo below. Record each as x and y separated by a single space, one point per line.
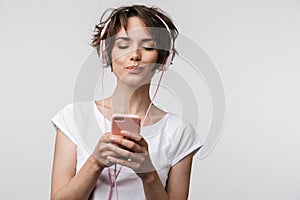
169 140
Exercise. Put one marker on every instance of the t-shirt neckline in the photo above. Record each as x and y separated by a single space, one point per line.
148 130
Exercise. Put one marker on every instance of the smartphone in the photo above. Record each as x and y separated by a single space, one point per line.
126 122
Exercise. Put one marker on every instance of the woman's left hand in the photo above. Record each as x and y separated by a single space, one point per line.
133 153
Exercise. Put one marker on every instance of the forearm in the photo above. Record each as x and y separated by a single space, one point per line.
153 187
82 184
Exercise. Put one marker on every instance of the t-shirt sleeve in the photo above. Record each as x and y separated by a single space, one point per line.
186 142
64 121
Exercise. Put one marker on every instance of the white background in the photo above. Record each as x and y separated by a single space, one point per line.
255 45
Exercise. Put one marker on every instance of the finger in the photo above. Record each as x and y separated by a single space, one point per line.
105 137
135 137
123 153
124 162
103 151
136 166
102 158
130 145
103 146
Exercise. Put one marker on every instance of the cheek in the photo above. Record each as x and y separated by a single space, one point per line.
116 56
151 57
118 60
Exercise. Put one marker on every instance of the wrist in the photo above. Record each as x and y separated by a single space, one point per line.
95 164
149 177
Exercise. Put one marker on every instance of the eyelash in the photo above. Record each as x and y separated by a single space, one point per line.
123 47
149 48
146 48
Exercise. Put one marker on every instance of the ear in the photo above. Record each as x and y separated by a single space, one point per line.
166 63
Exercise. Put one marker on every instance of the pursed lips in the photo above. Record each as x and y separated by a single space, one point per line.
133 67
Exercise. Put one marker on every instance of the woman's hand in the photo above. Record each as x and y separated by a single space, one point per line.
103 150
131 151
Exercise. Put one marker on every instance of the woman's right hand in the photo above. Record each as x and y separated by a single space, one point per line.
102 150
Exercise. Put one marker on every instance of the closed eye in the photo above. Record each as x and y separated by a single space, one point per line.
149 48
123 46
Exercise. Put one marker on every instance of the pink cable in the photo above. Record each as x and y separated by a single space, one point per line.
116 173
110 182
153 97
113 183
102 106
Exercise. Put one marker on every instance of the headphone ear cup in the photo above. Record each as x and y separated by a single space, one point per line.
170 57
101 53
101 49
167 62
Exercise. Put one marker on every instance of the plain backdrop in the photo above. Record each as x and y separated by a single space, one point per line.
254 44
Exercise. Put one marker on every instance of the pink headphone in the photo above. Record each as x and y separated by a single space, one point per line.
103 59
167 62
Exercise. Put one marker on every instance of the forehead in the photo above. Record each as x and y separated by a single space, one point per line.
136 29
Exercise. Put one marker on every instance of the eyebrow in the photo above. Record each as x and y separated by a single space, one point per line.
122 38
128 39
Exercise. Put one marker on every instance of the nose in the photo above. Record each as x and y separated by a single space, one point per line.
135 55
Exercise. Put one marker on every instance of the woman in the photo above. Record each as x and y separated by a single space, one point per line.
153 164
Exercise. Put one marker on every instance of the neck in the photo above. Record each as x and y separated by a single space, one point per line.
131 100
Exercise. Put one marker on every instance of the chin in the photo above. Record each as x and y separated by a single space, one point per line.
134 81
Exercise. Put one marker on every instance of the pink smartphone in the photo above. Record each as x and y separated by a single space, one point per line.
127 122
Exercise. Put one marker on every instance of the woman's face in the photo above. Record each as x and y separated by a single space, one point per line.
134 54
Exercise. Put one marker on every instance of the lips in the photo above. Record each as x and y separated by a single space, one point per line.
131 67
134 69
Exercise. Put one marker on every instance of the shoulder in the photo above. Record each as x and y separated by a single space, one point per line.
73 114
72 118
64 113
184 139
67 109
77 107
178 127
176 121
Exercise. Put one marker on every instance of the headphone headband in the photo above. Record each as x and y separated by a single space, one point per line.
166 63
168 60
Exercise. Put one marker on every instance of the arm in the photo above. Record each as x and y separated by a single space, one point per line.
66 184
177 187
179 179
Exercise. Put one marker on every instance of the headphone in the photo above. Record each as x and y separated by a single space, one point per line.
104 62
166 63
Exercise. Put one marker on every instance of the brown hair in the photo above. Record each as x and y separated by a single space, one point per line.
149 15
